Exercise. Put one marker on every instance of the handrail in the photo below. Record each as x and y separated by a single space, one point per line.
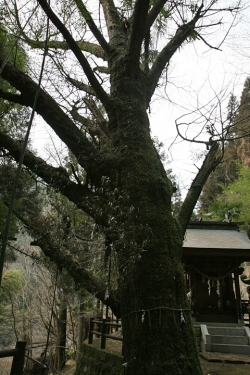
104 329
18 357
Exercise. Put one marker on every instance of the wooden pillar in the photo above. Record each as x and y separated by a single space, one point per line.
18 360
237 293
80 329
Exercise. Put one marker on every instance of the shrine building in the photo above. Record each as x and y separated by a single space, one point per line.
213 254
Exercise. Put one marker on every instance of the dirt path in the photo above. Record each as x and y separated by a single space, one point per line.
225 365
208 368
212 368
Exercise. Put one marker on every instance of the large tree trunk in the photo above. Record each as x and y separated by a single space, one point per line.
157 327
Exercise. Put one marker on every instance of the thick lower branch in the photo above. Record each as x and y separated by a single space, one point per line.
91 48
209 164
64 259
48 108
81 276
57 178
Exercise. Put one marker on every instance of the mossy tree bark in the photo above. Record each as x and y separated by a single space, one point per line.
126 191
157 329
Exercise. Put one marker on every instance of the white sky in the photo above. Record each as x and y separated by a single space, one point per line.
196 73
199 74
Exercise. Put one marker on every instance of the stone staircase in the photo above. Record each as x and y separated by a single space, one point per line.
234 339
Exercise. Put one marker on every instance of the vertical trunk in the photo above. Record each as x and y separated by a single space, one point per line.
60 353
157 327
80 327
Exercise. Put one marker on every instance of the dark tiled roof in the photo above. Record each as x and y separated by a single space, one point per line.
216 239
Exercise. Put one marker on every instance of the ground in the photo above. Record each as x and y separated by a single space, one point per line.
211 363
69 368
224 368
224 364
5 365
208 368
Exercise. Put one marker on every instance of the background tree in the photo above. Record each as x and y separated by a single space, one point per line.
100 113
234 198
217 195
227 171
13 280
243 125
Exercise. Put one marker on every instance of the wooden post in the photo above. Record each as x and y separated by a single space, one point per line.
61 327
108 327
18 359
237 292
91 328
117 321
80 325
103 337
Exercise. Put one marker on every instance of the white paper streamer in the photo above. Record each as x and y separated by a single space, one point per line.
218 287
209 287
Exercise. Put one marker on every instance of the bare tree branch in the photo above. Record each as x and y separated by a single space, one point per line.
168 51
102 69
154 12
64 259
81 86
88 125
58 178
207 44
48 108
138 29
92 26
103 124
112 18
101 94
91 48
18 99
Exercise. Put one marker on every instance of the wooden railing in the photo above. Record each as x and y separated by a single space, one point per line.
18 355
103 328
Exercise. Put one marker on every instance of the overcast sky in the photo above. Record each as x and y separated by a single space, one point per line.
195 76
198 74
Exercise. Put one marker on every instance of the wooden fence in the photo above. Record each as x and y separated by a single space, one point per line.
18 355
103 328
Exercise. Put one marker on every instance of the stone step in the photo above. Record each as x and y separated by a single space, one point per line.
235 340
233 349
226 339
226 331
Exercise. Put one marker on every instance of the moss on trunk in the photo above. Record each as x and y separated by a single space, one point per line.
157 328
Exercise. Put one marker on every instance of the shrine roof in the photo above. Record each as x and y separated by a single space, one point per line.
214 235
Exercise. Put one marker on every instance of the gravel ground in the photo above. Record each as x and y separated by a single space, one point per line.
224 364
